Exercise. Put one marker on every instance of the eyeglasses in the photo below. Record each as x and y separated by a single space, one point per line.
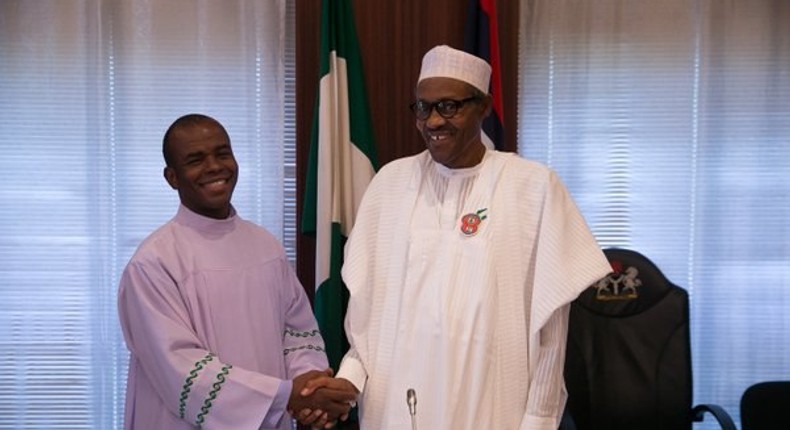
447 108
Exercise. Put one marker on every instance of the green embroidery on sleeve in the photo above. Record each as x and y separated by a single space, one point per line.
213 394
314 335
182 401
293 333
287 351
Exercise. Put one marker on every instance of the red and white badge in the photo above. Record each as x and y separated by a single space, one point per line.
470 222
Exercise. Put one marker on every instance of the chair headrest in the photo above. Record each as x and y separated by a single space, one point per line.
634 285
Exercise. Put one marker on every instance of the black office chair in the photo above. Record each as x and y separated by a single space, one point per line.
628 363
766 405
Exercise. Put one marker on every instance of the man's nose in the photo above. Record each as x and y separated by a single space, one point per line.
212 163
434 118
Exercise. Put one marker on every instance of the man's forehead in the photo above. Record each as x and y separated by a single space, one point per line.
199 138
201 126
199 131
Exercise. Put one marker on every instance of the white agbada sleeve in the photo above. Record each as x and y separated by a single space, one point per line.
358 278
568 259
373 271
352 369
547 385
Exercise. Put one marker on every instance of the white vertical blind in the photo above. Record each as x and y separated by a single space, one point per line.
670 122
87 89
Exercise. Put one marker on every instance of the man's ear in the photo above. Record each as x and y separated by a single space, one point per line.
488 105
170 177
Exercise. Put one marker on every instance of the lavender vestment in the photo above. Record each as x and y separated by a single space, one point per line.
217 325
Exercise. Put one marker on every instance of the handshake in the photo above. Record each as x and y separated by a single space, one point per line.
319 400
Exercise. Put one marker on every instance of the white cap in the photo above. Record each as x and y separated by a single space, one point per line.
445 62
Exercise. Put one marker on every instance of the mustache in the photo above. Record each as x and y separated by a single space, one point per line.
444 128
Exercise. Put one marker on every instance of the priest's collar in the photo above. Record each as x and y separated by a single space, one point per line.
192 219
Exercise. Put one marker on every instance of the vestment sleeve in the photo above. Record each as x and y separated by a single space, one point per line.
189 379
303 346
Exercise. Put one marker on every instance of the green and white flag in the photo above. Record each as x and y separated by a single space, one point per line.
342 163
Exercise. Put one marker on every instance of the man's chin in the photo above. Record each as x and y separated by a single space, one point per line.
437 156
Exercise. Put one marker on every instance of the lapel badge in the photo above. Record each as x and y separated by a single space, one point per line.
471 222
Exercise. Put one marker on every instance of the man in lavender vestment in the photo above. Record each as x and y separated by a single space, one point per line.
220 330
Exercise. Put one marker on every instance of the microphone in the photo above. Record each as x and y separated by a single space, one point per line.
411 400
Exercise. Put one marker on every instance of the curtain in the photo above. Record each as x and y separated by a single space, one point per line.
670 123
87 90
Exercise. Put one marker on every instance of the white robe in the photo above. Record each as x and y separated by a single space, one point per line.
460 318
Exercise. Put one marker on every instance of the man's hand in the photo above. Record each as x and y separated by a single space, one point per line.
339 384
319 399
327 386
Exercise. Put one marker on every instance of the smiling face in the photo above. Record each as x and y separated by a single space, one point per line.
201 167
454 142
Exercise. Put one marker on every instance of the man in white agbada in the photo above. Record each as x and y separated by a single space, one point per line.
461 267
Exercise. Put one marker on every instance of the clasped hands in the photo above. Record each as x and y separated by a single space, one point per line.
319 400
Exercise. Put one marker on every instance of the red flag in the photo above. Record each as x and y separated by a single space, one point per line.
480 38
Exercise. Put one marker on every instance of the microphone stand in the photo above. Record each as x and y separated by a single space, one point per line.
411 400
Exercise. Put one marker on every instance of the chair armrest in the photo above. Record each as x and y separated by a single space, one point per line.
724 419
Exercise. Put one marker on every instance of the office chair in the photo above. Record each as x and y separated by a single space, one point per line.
628 362
766 405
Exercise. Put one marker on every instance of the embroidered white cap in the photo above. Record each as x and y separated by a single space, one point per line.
445 62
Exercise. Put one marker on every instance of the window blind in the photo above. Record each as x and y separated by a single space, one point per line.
668 122
87 90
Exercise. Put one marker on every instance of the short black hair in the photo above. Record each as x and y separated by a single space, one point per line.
186 120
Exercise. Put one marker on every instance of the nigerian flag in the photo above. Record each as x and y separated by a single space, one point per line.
342 163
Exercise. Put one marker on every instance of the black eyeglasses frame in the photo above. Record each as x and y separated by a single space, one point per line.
446 108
